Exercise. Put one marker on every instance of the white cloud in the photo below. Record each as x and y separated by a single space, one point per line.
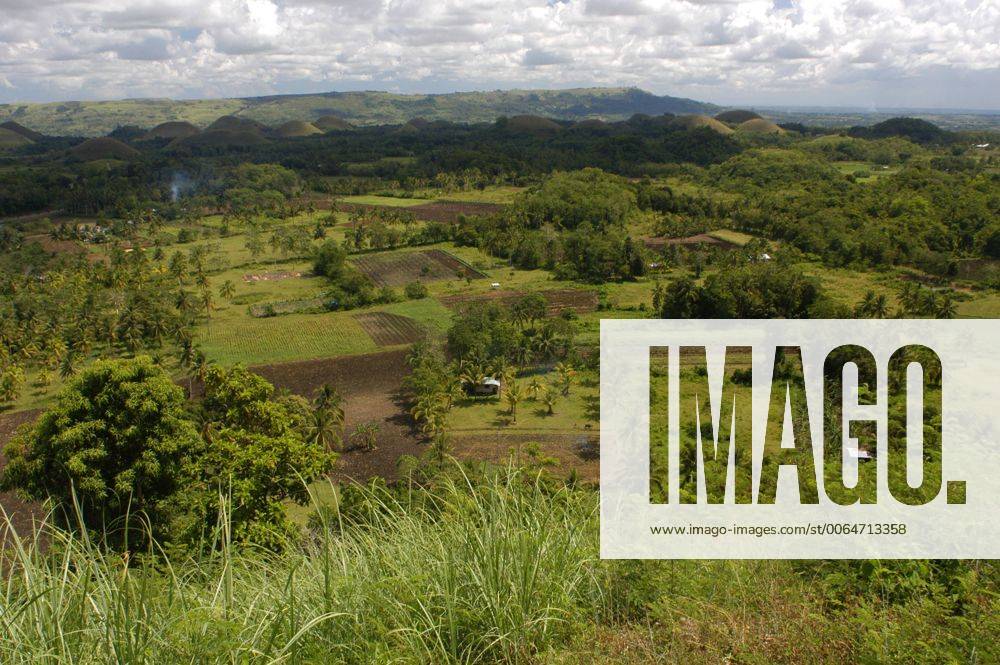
885 52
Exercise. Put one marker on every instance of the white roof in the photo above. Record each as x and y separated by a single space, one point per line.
858 453
490 381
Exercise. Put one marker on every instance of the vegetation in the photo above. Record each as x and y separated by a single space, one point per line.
440 287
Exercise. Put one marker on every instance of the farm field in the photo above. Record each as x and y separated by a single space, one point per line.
386 201
402 267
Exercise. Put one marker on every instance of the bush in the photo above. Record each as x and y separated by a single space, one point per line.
415 290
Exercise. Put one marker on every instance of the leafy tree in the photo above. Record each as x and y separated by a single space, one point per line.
11 381
117 439
330 260
589 195
259 458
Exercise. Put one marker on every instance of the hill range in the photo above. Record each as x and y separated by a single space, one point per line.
358 108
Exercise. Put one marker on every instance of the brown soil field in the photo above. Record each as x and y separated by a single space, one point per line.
387 329
21 513
397 269
699 239
578 300
370 385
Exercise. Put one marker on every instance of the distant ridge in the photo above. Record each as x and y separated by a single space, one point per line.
355 108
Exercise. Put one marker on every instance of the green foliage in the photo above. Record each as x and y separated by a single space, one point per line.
115 443
752 291
570 199
330 260
257 454
415 290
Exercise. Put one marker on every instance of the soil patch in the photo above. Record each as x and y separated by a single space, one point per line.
370 385
21 513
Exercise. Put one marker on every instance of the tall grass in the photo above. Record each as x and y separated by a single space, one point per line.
504 571
488 575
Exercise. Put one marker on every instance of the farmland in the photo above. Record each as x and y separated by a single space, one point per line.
319 323
399 268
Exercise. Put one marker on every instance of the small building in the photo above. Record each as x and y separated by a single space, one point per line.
495 285
486 387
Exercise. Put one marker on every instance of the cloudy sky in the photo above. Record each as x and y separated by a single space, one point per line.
868 53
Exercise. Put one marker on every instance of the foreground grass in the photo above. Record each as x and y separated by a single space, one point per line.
505 570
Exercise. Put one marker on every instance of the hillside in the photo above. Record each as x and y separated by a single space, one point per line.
357 108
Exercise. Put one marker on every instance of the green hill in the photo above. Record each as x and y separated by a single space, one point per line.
356 108
10 139
296 128
172 130
20 129
103 148
329 123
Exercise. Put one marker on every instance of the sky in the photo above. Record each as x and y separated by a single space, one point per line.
862 53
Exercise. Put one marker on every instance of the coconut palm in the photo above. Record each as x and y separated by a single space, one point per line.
206 301
535 388
549 398
513 394
326 426
227 290
66 368
945 308
566 376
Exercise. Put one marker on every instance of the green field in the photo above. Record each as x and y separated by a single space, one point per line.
390 201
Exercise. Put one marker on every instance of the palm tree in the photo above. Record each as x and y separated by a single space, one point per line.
227 290
329 400
566 374
945 308
545 342
909 297
549 398
513 395
66 368
880 307
206 301
327 396
535 388
325 428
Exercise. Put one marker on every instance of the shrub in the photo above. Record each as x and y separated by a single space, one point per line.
415 290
